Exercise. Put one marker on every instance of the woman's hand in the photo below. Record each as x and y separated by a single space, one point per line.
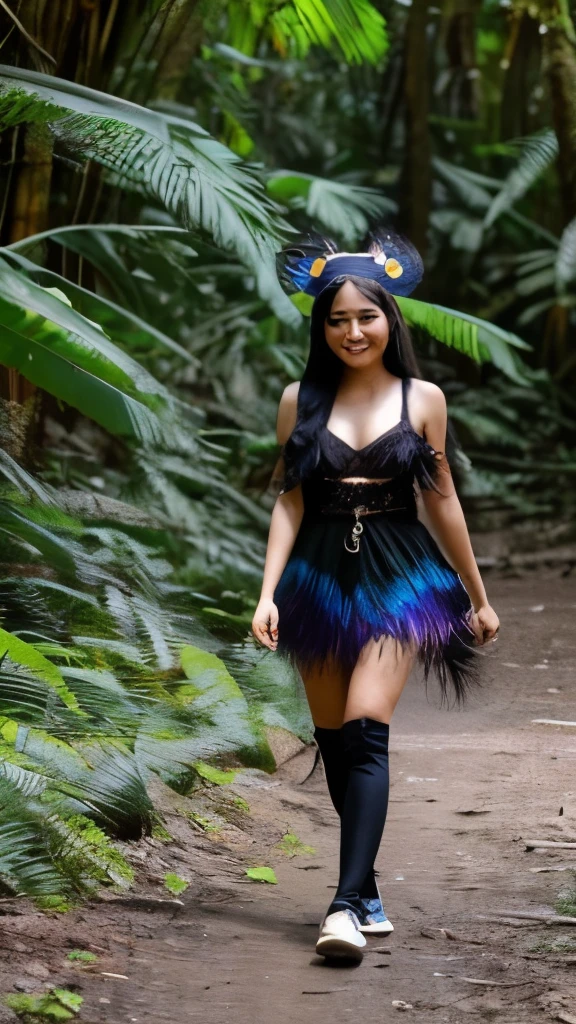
485 624
265 623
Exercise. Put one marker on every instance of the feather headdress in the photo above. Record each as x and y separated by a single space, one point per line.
388 258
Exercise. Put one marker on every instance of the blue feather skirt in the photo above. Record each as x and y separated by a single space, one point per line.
397 586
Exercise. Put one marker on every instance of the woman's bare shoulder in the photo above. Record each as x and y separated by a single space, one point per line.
427 404
287 412
427 390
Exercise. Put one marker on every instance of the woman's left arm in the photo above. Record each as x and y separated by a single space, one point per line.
447 518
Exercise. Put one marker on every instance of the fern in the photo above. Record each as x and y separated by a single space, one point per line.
166 157
565 268
538 152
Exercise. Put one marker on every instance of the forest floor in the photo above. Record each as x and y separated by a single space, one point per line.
468 789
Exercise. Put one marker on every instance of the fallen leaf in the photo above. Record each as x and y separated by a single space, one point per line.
262 874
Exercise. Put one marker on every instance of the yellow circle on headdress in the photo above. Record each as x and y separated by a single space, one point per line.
393 268
317 267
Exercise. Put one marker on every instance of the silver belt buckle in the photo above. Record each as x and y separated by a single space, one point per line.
357 530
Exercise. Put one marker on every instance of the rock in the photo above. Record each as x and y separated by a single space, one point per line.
36 969
283 744
24 984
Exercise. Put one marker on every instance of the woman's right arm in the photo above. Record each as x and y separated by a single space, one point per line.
284 525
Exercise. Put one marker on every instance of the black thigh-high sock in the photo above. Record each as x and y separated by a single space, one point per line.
335 759
364 809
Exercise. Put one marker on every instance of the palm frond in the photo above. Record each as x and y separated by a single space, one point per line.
24 481
468 334
21 653
471 192
565 268
538 152
339 206
353 27
115 318
61 351
168 158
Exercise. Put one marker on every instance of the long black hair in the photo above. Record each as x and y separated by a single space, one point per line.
324 370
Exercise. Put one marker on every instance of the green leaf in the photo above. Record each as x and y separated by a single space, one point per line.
468 334
566 258
97 307
34 1009
294 846
538 152
175 884
342 207
71 1000
262 874
25 654
82 956
59 350
215 775
353 27
303 302
169 158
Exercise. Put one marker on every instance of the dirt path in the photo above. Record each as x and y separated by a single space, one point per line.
467 789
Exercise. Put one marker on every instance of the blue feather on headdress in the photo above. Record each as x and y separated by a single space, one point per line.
388 258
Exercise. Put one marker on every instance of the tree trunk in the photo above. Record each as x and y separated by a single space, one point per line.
559 43
459 31
416 178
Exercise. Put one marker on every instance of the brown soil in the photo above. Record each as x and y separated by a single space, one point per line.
468 788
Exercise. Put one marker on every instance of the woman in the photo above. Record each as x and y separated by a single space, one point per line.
355 588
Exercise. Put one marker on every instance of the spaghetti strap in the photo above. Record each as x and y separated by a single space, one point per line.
405 385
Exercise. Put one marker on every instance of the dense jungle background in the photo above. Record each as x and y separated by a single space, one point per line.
154 156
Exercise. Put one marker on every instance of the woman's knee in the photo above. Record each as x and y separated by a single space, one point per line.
377 682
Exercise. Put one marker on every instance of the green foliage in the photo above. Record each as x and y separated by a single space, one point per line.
262 874
25 654
293 846
82 956
354 26
215 775
341 207
566 903
557 946
241 804
537 153
132 559
56 904
161 833
171 159
175 884
56 1005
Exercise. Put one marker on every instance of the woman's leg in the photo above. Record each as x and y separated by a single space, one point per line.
326 686
373 692
327 690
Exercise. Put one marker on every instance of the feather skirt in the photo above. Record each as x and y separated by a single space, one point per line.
399 585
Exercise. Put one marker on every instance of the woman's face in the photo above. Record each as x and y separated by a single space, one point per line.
356 328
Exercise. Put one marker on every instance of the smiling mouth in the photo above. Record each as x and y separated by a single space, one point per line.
356 348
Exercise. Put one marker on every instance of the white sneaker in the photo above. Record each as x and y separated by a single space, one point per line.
374 921
340 936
